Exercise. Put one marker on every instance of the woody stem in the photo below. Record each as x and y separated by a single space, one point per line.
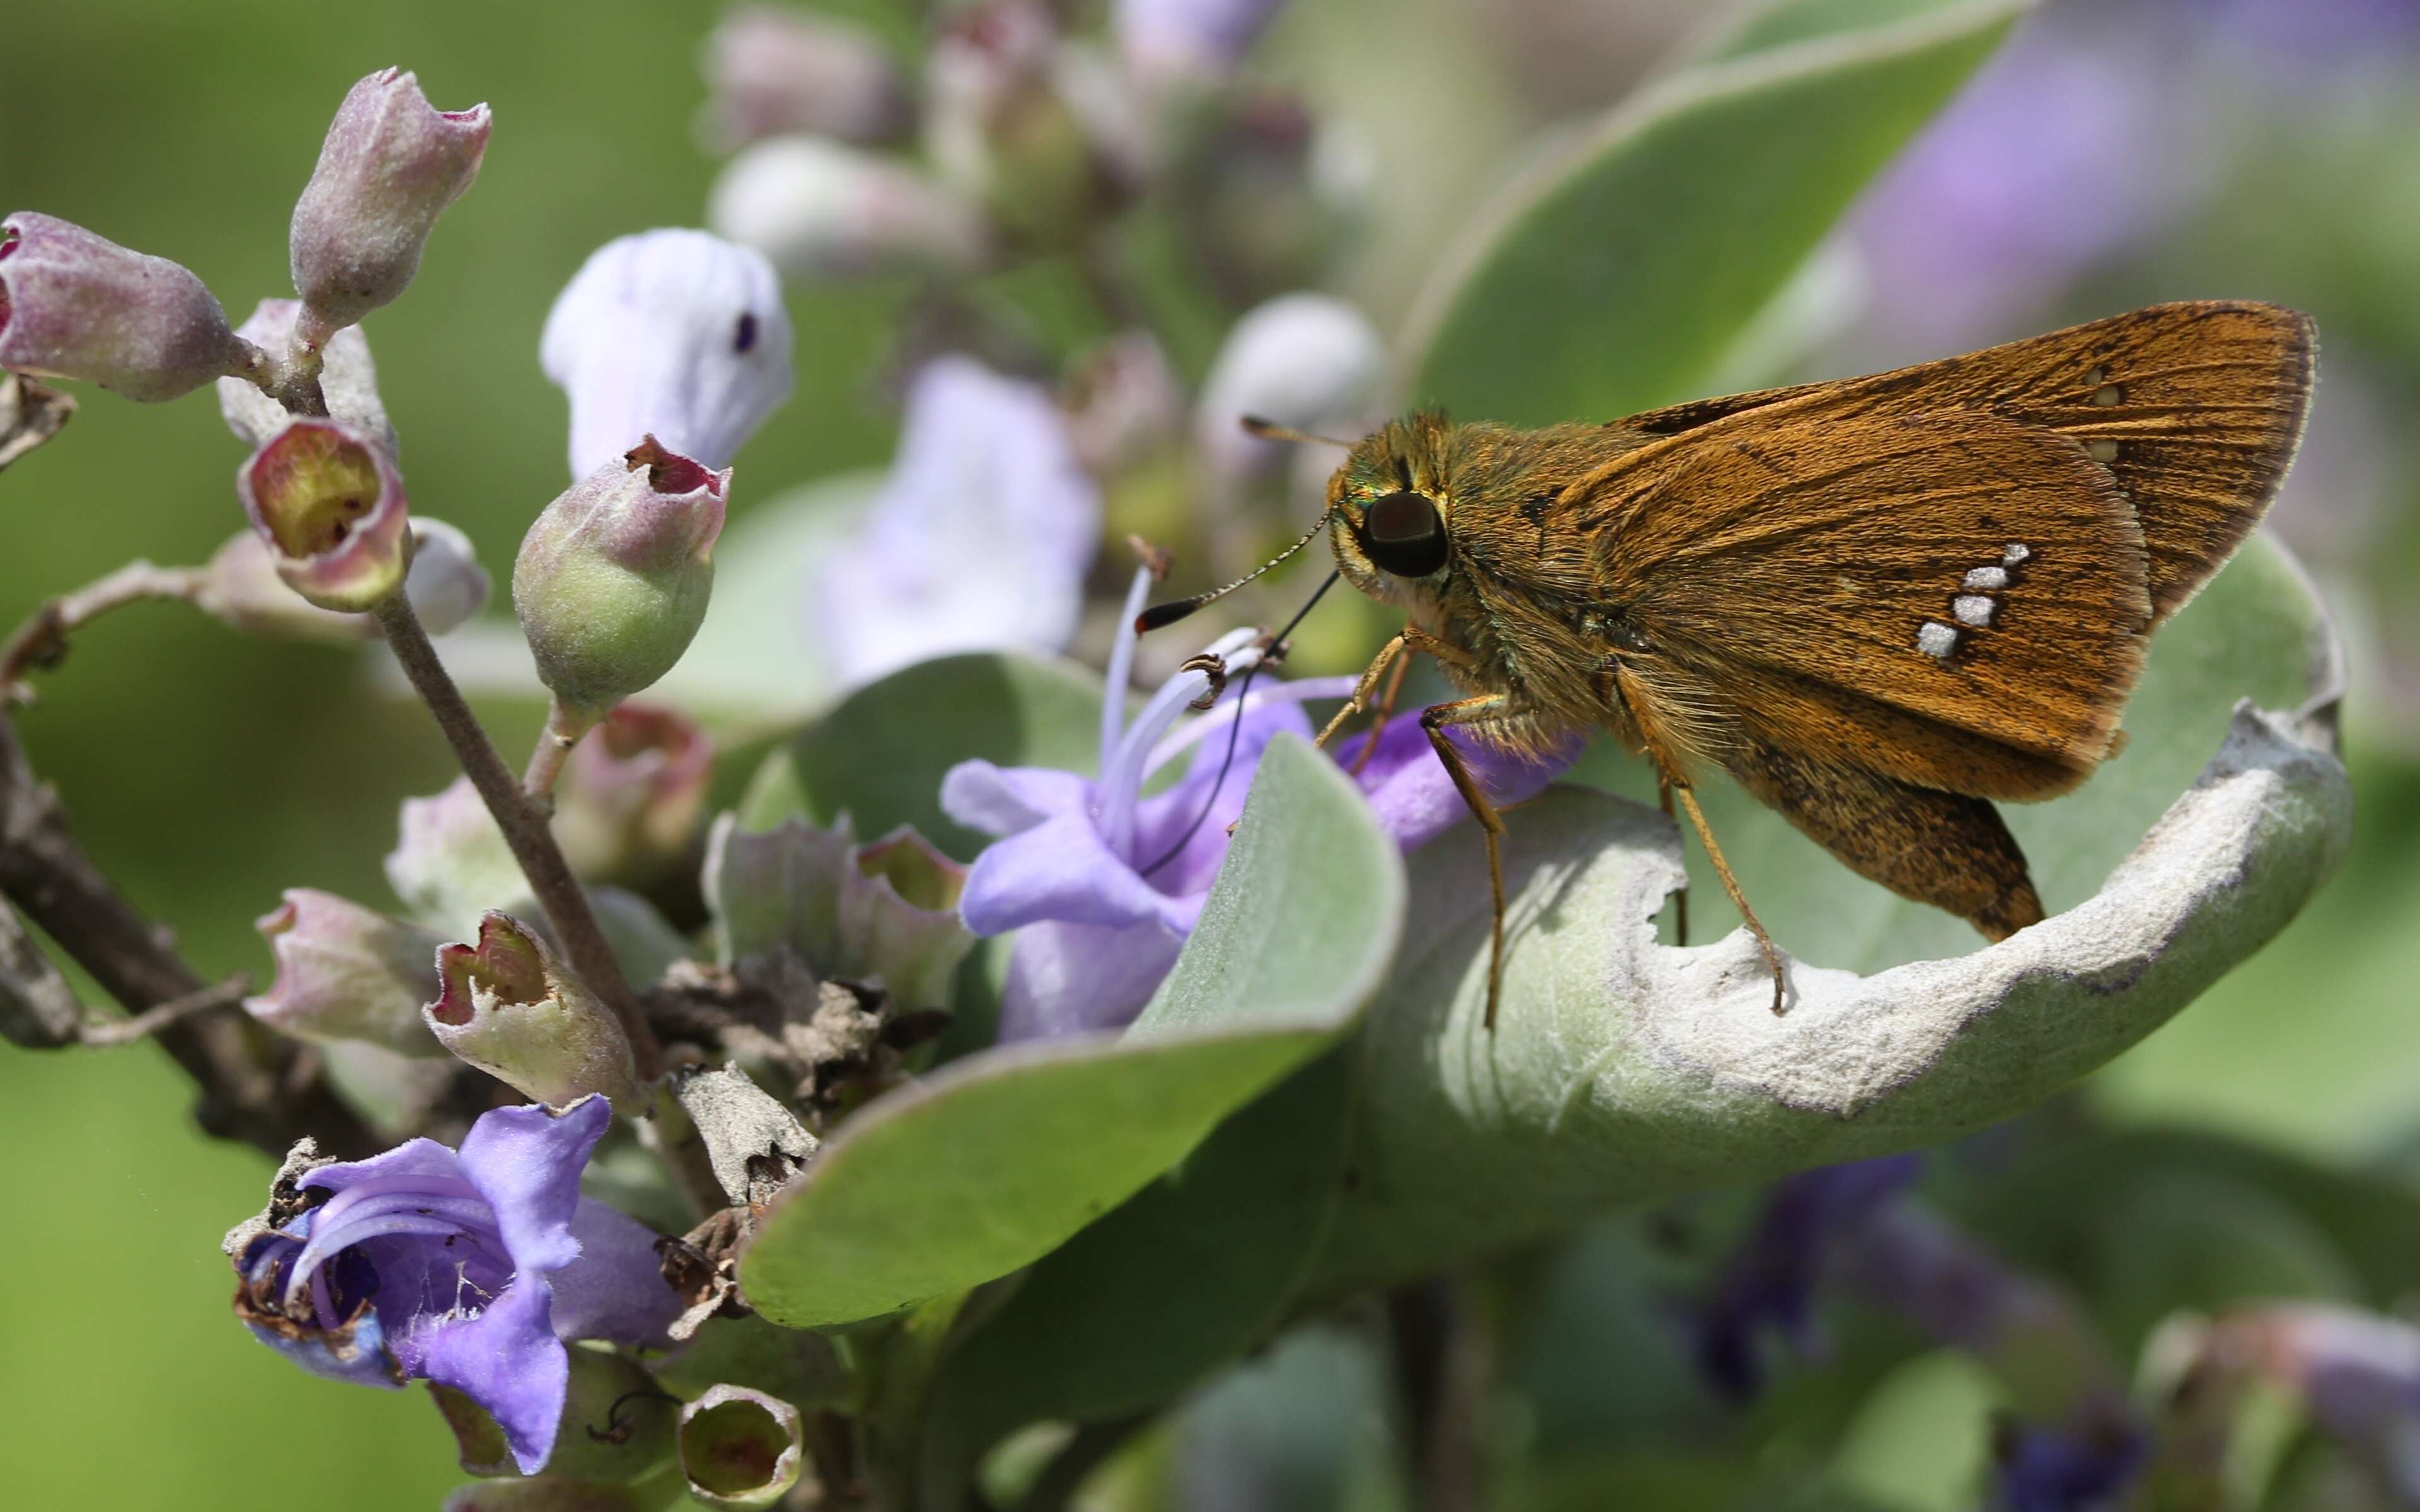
524 824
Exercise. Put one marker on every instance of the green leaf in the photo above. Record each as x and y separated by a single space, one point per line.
1621 1069
1125 1315
1617 272
880 756
998 1158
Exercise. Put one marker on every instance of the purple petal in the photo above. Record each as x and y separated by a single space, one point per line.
1416 800
616 1289
980 538
1003 800
1069 978
526 1161
1160 819
1059 870
509 1361
413 1157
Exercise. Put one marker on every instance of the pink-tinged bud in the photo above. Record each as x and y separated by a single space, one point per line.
1310 360
348 379
1041 133
775 70
676 335
76 305
820 209
509 1005
741 1449
240 587
329 503
450 863
614 577
631 794
346 972
390 165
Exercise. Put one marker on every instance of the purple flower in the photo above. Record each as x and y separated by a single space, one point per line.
1104 884
2076 1466
1190 39
980 538
468 1268
1771 1281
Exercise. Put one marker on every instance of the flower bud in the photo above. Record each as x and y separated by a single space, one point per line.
1043 135
348 380
329 503
676 335
450 863
345 972
819 210
774 71
612 579
390 165
510 1007
76 305
885 912
1169 42
741 1449
240 587
1307 360
631 794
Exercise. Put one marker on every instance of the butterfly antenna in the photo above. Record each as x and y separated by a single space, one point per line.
1269 430
1235 724
1160 616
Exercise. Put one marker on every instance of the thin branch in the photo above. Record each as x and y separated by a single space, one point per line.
255 1087
110 1033
1441 1364
30 414
41 640
562 731
525 830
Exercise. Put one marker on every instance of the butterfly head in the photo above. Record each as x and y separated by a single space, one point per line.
1392 515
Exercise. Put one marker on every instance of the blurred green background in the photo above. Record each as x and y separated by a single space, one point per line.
207 771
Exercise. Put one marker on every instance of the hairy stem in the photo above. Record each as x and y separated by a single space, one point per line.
255 1087
562 731
524 825
41 640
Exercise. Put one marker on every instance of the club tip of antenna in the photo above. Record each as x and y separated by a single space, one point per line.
1258 425
1160 616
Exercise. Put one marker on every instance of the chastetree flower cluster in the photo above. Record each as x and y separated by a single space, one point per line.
923 1115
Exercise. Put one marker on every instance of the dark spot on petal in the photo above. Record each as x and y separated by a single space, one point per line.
744 339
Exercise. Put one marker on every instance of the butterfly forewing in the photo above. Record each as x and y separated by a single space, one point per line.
1953 603
2193 407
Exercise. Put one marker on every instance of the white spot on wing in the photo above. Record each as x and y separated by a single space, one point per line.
2100 448
1936 639
2017 551
1984 579
1972 609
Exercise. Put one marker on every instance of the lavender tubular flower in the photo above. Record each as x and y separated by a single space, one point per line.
1171 41
676 335
1104 884
77 305
390 165
466 1267
980 538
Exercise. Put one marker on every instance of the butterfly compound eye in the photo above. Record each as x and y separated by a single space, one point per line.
1402 534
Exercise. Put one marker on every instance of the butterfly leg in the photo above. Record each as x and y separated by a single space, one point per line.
1386 711
1472 711
1360 698
1680 895
1731 886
